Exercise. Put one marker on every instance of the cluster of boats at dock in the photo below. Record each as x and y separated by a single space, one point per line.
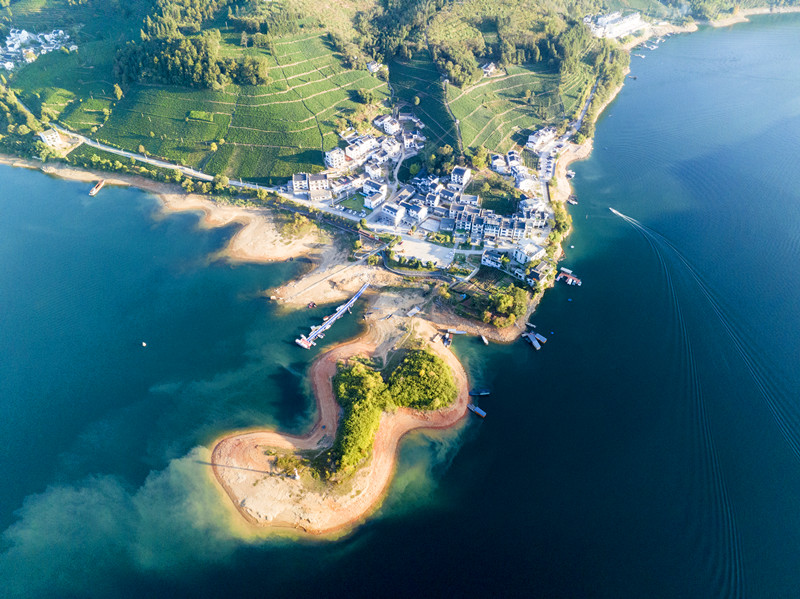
568 277
535 339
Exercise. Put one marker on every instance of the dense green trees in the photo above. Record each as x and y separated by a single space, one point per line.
422 381
257 16
506 305
192 62
170 50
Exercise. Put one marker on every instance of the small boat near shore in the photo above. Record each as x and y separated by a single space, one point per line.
485 340
312 305
572 200
97 187
480 392
476 410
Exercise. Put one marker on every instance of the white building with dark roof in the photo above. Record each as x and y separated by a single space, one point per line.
335 158
394 213
460 175
300 182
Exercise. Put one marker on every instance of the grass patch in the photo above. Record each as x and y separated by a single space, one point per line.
201 115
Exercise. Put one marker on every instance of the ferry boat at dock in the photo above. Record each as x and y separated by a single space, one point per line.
97 187
476 410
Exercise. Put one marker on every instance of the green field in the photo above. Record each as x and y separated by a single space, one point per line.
419 77
493 113
269 132
356 203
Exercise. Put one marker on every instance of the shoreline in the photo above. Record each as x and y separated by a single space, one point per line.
279 502
742 15
257 240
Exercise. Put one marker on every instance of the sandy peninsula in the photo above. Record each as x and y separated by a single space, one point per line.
243 463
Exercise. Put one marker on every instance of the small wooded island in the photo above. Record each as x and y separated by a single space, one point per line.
337 474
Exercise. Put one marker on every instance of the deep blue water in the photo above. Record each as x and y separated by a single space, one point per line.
651 449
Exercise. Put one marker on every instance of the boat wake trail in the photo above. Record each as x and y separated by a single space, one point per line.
784 412
718 544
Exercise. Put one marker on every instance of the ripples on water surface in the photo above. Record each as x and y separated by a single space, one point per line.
649 450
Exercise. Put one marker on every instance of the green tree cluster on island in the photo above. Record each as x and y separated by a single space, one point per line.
422 381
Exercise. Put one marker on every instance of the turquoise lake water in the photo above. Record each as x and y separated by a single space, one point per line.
651 449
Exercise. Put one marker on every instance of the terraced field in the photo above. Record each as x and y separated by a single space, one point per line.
419 77
270 131
495 114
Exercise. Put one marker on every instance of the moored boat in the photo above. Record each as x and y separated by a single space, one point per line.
476 410
480 392
97 187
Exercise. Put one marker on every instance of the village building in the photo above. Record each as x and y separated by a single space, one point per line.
392 147
414 213
360 147
538 140
489 69
405 194
614 25
394 213
318 182
373 170
373 200
335 158
51 138
499 164
527 251
431 199
460 176
371 186
300 182
492 258
318 195
538 272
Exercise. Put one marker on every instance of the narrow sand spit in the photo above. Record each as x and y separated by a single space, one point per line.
264 498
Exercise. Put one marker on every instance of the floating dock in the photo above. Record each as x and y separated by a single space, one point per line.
567 275
476 410
308 342
532 340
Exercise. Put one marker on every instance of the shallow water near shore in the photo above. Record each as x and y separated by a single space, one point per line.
650 449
